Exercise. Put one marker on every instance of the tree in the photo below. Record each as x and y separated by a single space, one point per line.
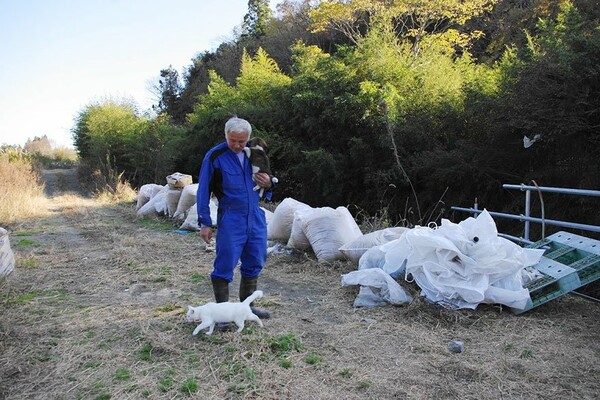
39 145
412 19
170 90
257 18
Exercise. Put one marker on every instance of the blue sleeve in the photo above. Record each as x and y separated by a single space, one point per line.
203 194
268 194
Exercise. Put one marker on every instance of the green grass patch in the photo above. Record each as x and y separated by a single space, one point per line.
92 364
25 243
284 344
363 385
155 224
313 359
198 278
189 386
285 363
122 374
526 353
167 308
145 352
42 296
167 383
346 373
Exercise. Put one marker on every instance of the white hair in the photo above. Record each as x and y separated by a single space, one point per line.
235 124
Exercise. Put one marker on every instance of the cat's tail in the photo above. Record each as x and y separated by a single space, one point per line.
256 295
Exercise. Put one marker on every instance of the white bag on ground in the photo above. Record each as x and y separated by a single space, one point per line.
377 288
191 221
173 196
355 249
298 239
145 193
327 230
186 200
156 205
7 258
280 227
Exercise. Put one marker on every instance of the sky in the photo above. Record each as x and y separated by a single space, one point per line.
58 56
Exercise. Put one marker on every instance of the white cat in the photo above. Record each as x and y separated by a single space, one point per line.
213 313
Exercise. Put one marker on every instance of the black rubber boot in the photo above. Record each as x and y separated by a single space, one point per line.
221 291
247 287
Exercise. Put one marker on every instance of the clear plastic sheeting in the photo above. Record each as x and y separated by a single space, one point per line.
460 265
377 288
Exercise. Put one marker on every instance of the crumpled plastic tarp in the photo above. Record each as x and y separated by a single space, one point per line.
460 265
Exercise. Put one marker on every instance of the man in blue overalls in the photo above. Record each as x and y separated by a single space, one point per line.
241 224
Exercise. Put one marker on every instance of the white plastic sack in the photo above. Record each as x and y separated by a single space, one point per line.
173 196
355 249
186 200
373 258
298 239
327 230
191 221
281 225
462 265
156 205
145 193
7 257
379 288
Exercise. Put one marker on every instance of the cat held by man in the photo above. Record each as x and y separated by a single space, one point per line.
217 313
256 151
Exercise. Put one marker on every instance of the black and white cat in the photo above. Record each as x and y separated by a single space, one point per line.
213 313
256 151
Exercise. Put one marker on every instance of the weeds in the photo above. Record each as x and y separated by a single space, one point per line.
20 187
285 344
189 386
145 353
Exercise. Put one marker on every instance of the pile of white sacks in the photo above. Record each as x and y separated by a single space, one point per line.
456 265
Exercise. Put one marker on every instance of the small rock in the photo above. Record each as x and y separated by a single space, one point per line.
456 346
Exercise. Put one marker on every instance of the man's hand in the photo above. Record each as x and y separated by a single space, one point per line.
263 180
206 233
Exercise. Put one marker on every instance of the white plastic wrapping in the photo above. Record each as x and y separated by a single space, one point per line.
355 249
462 265
377 288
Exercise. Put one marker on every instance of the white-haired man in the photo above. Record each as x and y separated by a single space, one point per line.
241 224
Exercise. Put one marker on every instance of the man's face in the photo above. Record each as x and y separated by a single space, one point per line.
236 141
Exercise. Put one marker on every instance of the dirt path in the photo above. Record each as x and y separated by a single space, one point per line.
95 307
61 181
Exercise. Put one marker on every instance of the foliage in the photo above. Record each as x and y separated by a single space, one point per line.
257 18
396 107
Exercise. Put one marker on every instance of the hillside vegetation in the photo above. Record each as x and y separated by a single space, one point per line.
402 108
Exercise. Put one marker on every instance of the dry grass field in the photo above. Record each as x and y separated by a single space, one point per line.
95 310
